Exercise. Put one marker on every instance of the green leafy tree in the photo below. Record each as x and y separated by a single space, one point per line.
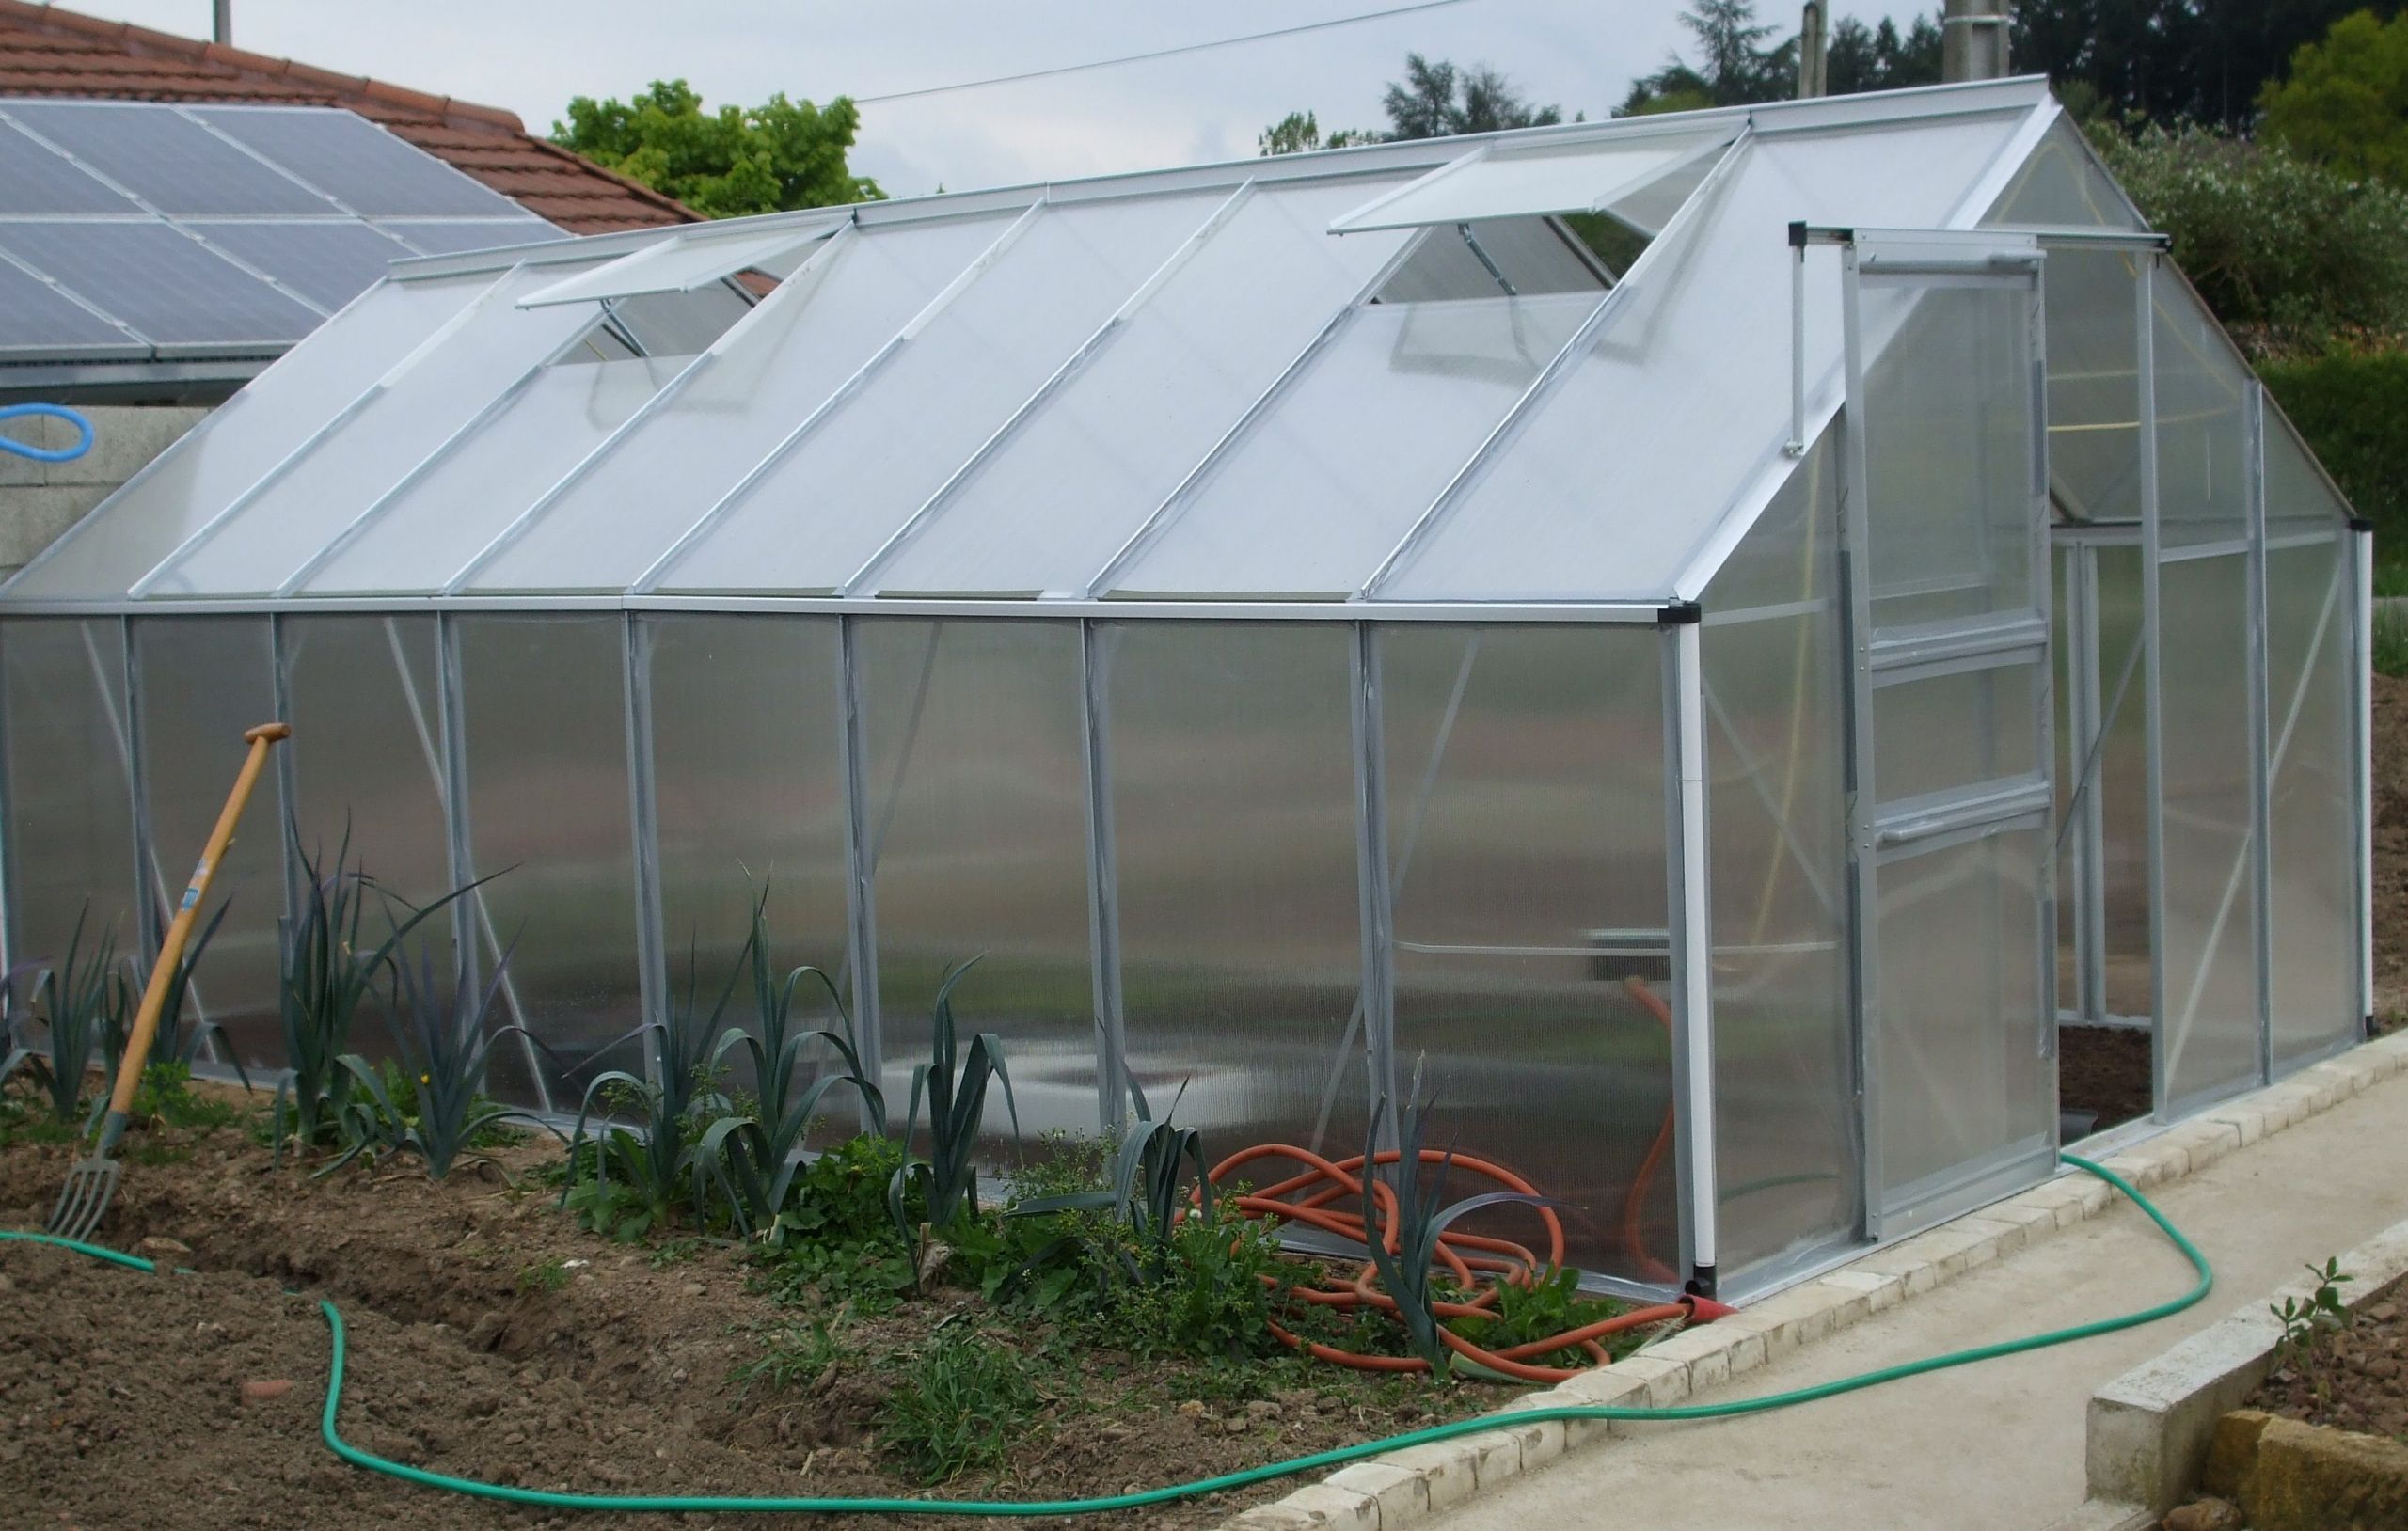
1737 64
1432 101
723 164
2170 61
1861 58
1299 133
2346 102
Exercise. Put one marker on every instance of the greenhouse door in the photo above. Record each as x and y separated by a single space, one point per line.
1948 594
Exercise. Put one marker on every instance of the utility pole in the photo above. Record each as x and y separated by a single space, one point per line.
1973 40
1813 53
221 20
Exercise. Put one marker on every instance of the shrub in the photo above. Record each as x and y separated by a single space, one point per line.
2270 238
2353 412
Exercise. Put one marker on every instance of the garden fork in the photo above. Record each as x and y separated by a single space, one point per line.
94 1181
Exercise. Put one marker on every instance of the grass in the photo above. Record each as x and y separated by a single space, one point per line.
2390 644
794 1357
962 1403
545 1275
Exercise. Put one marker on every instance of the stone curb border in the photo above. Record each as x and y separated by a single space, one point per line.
1408 1486
2150 1429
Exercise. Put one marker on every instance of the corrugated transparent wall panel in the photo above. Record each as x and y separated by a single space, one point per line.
2211 975
2308 657
205 680
1960 972
69 830
976 815
543 708
1232 759
1525 817
749 798
1948 451
2202 431
2123 782
367 763
1943 731
2061 187
1784 1118
2094 384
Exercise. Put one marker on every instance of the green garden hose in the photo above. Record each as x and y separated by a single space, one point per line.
729 1504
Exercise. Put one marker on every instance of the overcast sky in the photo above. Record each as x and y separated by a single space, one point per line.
531 55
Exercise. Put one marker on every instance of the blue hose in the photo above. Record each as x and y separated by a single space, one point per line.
47 454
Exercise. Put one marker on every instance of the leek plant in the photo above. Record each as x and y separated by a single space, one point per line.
1148 1197
443 1036
663 1164
955 1080
175 1043
758 1153
78 1001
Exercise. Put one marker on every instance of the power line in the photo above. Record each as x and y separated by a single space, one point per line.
1159 53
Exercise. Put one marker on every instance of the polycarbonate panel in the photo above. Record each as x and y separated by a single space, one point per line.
166 158
1949 449
1533 255
327 260
609 524
202 682
2210 965
2123 784
2061 186
35 178
1962 1085
1319 489
1784 1053
1947 731
241 442
2093 300
850 482
367 170
1234 812
543 699
70 789
977 808
162 282
449 236
2202 424
412 415
748 800
1506 180
1078 475
431 525
678 262
1611 481
2313 832
36 317
1526 822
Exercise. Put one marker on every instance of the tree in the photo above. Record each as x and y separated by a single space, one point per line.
1299 133
2346 102
1736 65
1432 101
726 164
1861 58
2170 61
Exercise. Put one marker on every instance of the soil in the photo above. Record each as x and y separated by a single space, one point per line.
2390 750
122 1395
2364 1374
2104 1069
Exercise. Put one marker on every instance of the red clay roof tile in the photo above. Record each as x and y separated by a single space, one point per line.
47 51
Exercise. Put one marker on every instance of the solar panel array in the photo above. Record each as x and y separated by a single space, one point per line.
131 231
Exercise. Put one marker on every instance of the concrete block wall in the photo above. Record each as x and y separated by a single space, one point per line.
39 502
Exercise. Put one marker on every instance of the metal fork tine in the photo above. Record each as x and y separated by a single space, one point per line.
86 1198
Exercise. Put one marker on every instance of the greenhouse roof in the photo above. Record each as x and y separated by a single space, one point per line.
1541 368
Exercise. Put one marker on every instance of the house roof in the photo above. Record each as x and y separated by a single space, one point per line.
48 51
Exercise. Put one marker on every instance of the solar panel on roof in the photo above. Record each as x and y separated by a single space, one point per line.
167 159
43 319
452 236
168 286
355 162
36 180
327 260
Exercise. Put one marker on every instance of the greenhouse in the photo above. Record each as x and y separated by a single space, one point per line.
1709 639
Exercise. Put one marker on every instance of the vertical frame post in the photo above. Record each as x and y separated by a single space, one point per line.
1692 951
1103 888
860 870
651 975
2152 691
1856 589
288 829
2044 672
146 934
2261 814
1372 879
2361 556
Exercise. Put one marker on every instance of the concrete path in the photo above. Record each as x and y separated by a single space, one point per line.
1998 1444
